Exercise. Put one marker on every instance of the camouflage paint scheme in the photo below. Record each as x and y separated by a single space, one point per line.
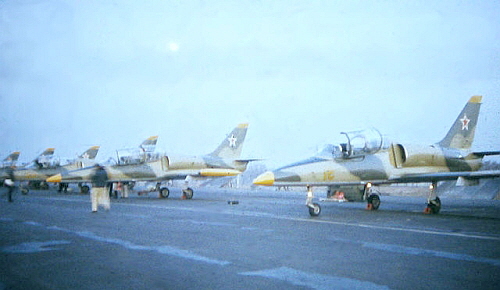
41 169
223 161
449 159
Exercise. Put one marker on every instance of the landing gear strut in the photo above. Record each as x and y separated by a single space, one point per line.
433 201
314 208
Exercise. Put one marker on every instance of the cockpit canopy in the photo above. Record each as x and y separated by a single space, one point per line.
45 162
128 156
359 143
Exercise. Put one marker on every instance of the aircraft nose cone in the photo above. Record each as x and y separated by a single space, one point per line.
55 178
266 178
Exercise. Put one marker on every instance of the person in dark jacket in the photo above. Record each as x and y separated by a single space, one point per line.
99 194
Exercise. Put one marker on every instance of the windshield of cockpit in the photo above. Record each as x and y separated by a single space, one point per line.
358 143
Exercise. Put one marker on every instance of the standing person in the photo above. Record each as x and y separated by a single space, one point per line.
99 194
117 186
9 182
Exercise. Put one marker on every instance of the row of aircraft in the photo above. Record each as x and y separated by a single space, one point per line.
44 166
363 161
145 166
223 161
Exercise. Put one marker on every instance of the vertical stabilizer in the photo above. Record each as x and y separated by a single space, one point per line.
461 133
91 153
44 158
48 153
232 145
12 158
149 145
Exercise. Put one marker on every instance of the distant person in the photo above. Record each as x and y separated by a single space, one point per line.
9 182
117 186
99 194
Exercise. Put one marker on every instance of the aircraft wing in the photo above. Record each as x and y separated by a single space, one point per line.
442 176
207 172
410 178
342 183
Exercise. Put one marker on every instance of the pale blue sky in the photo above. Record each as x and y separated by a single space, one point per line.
112 73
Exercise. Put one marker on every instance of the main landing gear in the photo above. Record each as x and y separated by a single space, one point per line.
372 200
187 193
433 201
314 208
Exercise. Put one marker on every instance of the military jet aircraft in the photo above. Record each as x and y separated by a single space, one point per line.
365 160
45 166
223 161
11 159
8 162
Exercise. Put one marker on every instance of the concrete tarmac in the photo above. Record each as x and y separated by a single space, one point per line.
266 241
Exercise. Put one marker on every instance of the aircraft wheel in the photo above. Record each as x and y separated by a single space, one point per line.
188 192
434 206
84 189
164 192
374 201
315 210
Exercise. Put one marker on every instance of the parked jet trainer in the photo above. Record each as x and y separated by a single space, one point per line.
45 166
44 157
7 164
224 161
11 159
364 160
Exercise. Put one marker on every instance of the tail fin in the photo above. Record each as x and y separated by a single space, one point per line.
44 158
461 134
12 158
90 153
149 145
232 145
49 152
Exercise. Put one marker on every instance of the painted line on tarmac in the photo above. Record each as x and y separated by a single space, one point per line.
430 232
32 247
168 250
418 251
424 252
313 280
310 220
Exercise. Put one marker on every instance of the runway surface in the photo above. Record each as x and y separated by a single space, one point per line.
266 241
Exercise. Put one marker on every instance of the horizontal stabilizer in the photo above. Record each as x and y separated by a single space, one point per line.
486 153
248 160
